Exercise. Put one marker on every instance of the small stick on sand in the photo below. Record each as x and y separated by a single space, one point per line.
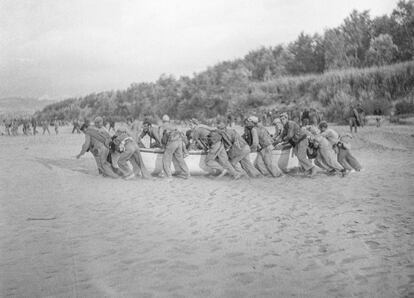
41 218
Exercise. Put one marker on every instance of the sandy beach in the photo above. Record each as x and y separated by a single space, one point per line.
67 232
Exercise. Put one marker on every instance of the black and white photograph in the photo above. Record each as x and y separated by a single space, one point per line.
194 148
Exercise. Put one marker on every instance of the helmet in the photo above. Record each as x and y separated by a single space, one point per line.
276 121
98 119
323 124
165 118
284 115
253 119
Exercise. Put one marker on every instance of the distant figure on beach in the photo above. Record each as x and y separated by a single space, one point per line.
56 126
76 126
361 113
354 119
34 125
8 125
45 126
378 116
15 127
305 117
26 127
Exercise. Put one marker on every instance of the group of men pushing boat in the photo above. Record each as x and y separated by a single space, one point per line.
227 152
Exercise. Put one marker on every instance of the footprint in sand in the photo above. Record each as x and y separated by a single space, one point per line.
372 244
353 259
244 277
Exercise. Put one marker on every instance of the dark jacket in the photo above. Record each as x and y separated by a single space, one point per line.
292 133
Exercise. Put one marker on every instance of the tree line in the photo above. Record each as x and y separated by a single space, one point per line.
240 85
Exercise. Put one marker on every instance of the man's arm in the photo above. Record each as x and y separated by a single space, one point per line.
255 140
85 146
156 136
143 134
288 133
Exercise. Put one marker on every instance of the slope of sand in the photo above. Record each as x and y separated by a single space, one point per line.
66 232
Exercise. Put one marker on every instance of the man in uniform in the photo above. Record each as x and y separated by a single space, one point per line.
153 132
45 126
76 126
305 117
293 134
199 134
238 150
34 125
217 159
343 149
173 143
278 130
125 152
95 139
262 143
56 125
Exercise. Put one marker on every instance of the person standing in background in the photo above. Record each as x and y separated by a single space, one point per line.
56 126
45 126
34 125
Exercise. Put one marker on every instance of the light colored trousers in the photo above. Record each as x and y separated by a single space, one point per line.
300 151
327 159
240 160
174 152
347 160
100 154
218 160
132 155
264 162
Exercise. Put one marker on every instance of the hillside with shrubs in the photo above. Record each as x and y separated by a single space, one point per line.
364 60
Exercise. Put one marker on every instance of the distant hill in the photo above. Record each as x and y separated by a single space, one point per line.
18 105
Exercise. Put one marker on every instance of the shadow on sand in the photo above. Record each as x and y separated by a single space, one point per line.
67 163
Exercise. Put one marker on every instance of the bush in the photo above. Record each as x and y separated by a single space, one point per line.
404 107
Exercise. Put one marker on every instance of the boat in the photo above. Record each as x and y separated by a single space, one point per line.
195 161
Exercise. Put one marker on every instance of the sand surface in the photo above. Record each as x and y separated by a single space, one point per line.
66 232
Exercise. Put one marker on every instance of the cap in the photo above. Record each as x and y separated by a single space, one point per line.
285 115
323 124
147 121
98 119
253 119
276 121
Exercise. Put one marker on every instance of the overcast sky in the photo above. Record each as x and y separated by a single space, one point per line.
61 48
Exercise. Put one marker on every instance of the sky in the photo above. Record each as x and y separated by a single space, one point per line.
54 49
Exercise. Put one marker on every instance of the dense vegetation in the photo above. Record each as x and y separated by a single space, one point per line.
361 60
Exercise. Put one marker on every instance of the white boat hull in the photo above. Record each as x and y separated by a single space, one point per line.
196 160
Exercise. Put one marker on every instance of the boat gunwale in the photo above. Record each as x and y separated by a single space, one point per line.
197 152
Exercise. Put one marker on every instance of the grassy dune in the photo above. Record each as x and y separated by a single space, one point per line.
334 91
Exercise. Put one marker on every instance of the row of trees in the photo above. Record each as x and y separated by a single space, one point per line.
234 86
